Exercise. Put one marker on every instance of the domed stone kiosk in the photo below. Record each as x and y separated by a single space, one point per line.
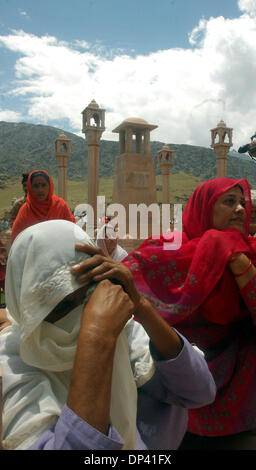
134 174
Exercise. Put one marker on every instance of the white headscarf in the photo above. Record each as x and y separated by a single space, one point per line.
37 356
119 253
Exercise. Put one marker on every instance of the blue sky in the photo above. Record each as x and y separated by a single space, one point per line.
140 25
180 64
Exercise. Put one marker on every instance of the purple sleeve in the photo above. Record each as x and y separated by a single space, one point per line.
73 433
185 380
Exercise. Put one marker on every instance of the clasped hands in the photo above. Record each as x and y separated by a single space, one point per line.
112 304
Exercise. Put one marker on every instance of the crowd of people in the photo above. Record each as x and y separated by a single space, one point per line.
155 349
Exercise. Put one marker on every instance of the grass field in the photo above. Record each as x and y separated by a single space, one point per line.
181 187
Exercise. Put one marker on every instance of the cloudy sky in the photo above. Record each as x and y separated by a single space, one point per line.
182 65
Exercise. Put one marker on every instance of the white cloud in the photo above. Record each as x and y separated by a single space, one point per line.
82 44
248 6
184 91
23 13
9 116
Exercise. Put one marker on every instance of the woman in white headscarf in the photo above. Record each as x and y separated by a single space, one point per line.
107 240
71 372
38 349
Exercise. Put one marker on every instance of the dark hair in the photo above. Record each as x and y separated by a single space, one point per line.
40 173
240 187
24 178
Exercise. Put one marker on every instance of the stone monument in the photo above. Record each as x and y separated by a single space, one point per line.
134 174
165 160
93 127
62 154
221 143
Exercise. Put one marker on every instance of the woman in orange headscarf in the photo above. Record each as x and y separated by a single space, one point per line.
41 204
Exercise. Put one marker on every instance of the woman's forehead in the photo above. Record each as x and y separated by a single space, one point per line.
38 179
235 190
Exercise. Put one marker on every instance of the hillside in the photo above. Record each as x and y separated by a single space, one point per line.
24 147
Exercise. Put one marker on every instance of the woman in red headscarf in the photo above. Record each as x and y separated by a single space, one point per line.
207 290
41 204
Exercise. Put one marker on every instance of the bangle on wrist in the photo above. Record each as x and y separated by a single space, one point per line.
245 270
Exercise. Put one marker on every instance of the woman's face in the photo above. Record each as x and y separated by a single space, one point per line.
229 210
40 188
67 304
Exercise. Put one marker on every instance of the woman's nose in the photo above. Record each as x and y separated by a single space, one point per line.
239 207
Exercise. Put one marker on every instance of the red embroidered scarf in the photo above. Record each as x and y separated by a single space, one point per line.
178 282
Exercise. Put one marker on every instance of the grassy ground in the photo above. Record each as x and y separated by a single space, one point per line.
181 187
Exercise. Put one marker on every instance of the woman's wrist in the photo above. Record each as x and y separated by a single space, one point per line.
239 264
242 269
141 307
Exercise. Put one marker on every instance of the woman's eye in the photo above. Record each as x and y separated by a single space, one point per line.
229 201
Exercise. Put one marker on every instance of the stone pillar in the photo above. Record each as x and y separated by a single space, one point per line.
221 143
122 143
138 142
146 142
93 127
128 140
165 161
135 180
93 175
62 154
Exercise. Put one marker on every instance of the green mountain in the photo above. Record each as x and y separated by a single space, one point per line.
25 147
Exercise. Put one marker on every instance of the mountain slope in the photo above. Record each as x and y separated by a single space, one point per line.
25 147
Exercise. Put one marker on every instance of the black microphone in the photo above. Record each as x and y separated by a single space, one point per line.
244 148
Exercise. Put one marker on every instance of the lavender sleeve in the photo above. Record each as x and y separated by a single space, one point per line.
163 402
185 380
73 433
176 385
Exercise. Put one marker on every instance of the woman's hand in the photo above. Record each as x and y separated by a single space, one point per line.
103 318
100 267
242 268
106 312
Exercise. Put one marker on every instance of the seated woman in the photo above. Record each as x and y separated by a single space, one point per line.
41 204
206 289
71 371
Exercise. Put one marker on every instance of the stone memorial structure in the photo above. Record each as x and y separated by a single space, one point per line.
62 154
134 173
93 127
165 161
221 143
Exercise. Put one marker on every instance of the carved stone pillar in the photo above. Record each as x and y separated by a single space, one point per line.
62 154
221 143
93 127
165 161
